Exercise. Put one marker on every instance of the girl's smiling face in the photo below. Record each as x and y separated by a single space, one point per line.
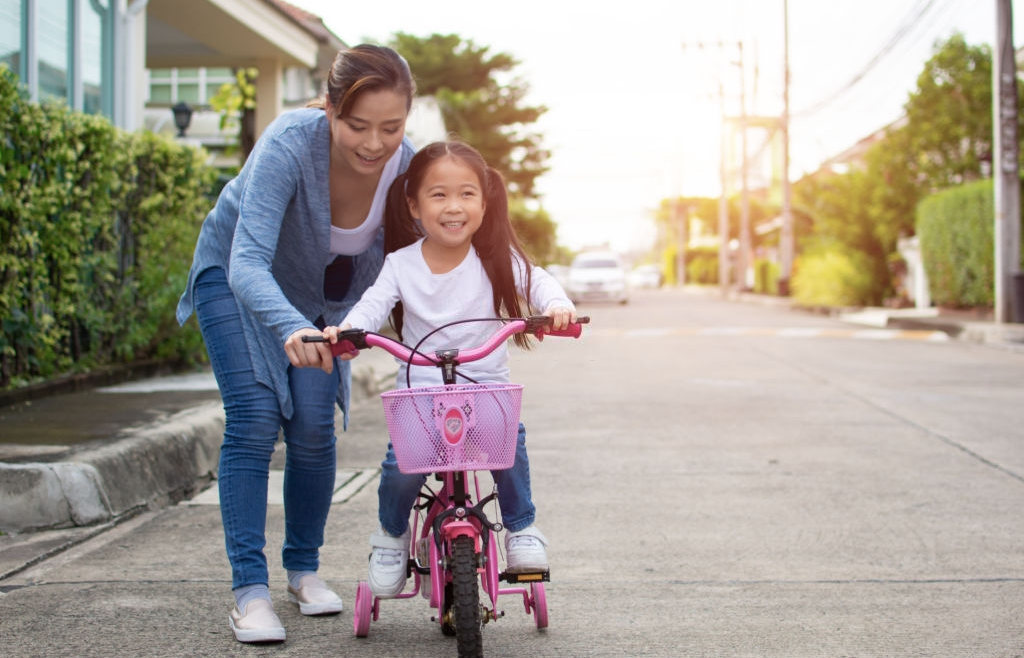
450 205
366 139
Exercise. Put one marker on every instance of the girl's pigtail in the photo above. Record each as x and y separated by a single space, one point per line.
496 244
400 230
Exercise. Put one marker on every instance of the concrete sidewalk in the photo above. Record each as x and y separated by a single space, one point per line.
963 325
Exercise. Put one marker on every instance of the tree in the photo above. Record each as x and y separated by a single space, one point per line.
844 237
536 231
949 115
236 102
482 103
942 142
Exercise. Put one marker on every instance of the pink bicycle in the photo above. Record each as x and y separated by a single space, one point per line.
453 431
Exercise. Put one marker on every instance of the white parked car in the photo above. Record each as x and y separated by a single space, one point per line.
597 276
646 276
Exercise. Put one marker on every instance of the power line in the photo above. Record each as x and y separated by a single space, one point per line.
912 20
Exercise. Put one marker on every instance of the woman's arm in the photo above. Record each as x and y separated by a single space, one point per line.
271 186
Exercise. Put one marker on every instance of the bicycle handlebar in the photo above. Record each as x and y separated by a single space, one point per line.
352 340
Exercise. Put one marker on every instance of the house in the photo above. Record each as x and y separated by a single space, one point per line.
111 57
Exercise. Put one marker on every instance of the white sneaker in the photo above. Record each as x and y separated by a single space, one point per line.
257 623
525 552
314 597
389 564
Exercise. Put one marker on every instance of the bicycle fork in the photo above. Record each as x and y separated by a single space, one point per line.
463 519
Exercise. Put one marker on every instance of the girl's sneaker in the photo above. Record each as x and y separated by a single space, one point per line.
389 564
525 552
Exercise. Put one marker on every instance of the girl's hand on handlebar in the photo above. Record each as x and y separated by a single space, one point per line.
308 355
331 336
561 316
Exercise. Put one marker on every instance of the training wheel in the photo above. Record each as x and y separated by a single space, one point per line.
363 610
540 605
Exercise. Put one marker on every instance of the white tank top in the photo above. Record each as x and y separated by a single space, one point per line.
353 241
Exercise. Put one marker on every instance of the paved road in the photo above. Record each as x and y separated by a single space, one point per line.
716 479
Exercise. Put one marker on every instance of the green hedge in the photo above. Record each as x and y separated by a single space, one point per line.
97 228
956 232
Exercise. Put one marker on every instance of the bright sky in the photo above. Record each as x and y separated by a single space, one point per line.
634 112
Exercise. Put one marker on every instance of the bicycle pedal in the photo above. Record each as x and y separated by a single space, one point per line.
528 577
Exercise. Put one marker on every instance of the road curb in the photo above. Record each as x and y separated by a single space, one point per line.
148 467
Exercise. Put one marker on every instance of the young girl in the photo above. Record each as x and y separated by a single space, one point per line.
467 264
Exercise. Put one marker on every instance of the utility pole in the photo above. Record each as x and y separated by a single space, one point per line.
745 267
683 217
724 269
1009 295
786 247
723 205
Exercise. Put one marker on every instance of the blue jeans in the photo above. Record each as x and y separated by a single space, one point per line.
253 420
397 492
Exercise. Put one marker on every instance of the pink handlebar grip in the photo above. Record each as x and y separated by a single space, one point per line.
343 347
574 330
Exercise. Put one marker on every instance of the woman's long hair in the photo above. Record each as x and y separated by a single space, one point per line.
495 241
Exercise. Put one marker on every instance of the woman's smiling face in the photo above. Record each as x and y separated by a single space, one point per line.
366 139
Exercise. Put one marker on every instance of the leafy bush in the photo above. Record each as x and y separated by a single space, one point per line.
832 277
702 266
97 228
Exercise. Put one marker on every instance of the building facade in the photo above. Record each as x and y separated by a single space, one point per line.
97 55
132 60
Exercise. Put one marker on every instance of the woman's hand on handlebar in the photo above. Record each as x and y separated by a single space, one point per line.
309 355
331 336
561 316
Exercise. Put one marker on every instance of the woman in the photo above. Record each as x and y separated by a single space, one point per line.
290 245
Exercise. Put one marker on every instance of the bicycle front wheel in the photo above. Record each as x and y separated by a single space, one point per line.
466 599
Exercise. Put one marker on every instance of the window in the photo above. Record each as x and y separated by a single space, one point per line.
194 86
59 49
53 47
92 59
10 34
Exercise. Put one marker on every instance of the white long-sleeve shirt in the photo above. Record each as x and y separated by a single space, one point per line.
430 300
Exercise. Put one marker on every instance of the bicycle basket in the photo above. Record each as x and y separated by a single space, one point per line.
464 427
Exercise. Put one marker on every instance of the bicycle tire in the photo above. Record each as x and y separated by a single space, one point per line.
363 610
466 599
539 604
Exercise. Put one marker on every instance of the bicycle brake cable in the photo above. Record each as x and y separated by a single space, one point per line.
415 350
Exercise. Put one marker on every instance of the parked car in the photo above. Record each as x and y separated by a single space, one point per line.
597 276
646 276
